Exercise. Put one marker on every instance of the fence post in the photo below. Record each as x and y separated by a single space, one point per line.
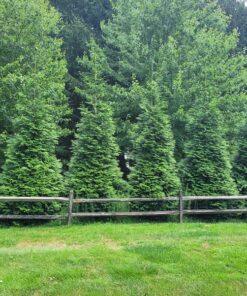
181 207
70 208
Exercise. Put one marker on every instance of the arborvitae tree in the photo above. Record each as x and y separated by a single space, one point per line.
28 46
240 163
154 173
31 167
93 170
207 165
33 103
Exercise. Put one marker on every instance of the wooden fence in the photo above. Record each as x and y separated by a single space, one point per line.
71 201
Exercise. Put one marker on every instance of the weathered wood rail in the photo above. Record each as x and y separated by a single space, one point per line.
181 211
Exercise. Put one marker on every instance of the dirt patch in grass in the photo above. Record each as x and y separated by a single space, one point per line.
54 245
111 244
206 246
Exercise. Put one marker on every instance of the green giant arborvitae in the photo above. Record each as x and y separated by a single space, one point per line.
31 167
93 170
207 164
31 90
154 173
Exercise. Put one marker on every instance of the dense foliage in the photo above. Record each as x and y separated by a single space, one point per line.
93 170
154 173
131 96
32 98
81 22
207 163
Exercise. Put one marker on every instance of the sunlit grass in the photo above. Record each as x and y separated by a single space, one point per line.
124 259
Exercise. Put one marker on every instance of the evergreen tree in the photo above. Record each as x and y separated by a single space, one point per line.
207 163
33 75
93 170
28 46
240 163
154 173
31 167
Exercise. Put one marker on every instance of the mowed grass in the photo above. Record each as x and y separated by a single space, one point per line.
124 259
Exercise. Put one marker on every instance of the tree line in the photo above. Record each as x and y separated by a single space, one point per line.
132 98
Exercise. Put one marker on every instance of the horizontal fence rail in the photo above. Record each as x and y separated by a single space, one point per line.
32 199
32 217
103 200
125 214
170 198
181 211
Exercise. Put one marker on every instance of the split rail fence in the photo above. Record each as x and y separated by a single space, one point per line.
71 201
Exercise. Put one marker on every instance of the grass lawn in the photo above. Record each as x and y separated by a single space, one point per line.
124 259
